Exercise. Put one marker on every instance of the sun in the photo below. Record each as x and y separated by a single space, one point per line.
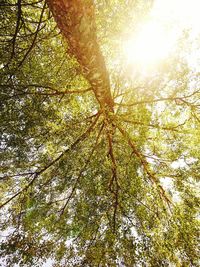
150 44
156 38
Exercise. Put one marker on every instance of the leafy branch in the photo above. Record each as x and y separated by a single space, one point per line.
38 173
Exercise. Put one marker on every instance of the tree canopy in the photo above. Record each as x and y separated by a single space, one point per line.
99 167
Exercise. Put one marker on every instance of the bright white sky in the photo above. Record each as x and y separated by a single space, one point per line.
156 38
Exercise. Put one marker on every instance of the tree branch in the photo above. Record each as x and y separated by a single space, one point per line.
114 184
173 128
145 165
35 37
178 98
37 173
55 93
81 171
19 13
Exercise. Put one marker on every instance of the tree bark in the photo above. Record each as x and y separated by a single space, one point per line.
76 20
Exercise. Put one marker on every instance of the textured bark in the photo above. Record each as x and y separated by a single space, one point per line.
76 20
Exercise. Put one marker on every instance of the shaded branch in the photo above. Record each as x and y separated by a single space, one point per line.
145 165
81 171
56 93
22 4
19 13
35 37
114 184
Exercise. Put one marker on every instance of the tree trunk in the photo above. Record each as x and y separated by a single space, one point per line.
76 20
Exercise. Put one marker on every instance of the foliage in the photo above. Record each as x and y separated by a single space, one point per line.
81 185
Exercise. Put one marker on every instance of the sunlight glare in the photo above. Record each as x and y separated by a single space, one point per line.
155 40
150 45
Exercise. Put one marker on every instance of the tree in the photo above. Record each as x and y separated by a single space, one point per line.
87 151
